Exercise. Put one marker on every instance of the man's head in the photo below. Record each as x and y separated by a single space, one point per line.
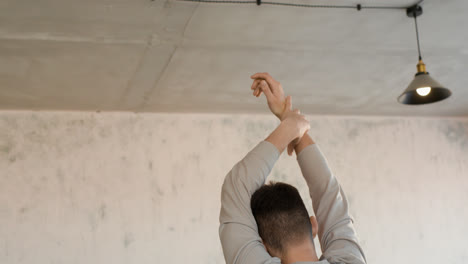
282 218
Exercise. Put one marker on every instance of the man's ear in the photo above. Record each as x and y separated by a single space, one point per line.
270 251
265 246
313 222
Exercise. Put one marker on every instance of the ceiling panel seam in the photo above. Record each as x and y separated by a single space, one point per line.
131 80
148 94
46 37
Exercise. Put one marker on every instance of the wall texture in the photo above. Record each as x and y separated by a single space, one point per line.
144 188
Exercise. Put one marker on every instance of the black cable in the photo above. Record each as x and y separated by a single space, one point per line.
220 1
358 7
333 6
305 5
417 36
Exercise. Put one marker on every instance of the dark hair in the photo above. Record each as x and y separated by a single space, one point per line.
281 216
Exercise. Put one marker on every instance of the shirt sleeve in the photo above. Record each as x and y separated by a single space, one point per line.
238 230
336 232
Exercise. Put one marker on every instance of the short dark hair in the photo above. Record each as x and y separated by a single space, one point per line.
281 216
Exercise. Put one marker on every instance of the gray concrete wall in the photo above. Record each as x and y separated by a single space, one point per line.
144 188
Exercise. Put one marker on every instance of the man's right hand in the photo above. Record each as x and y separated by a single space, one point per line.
304 140
291 130
294 118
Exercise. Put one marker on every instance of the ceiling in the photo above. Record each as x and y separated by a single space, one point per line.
171 56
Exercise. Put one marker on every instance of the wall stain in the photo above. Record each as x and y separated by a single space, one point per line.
102 211
160 192
356 127
278 177
60 177
456 133
421 236
105 133
227 121
353 133
92 222
6 148
128 239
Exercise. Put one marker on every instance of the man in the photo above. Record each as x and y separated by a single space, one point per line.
269 223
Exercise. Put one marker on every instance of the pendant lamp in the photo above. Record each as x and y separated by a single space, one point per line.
423 89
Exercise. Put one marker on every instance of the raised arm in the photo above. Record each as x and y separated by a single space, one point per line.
238 230
336 232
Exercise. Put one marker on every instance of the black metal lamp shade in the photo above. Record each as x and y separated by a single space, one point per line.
423 90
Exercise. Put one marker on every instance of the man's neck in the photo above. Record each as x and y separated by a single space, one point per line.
300 253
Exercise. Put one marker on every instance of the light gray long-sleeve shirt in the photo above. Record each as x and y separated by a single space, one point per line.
238 230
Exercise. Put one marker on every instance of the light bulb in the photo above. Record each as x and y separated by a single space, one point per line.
423 91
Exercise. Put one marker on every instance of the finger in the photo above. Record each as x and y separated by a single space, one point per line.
297 111
266 89
261 85
255 83
257 92
261 75
255 86
265 76
275 86
290 149
288 103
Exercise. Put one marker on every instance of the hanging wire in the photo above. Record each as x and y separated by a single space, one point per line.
220 1
417 35
332 6
358 7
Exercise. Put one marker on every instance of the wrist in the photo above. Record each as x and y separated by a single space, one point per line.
281 116
282 135
289 129
305 141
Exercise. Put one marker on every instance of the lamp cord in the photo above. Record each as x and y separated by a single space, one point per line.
358 7
417 35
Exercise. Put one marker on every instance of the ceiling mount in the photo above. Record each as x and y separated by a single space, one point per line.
414 11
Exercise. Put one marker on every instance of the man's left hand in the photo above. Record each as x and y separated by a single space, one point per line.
263 82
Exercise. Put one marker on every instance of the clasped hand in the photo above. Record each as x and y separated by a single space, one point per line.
280 106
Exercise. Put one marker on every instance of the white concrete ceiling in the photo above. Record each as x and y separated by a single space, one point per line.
142 55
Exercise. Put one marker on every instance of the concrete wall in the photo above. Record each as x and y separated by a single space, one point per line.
144 188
